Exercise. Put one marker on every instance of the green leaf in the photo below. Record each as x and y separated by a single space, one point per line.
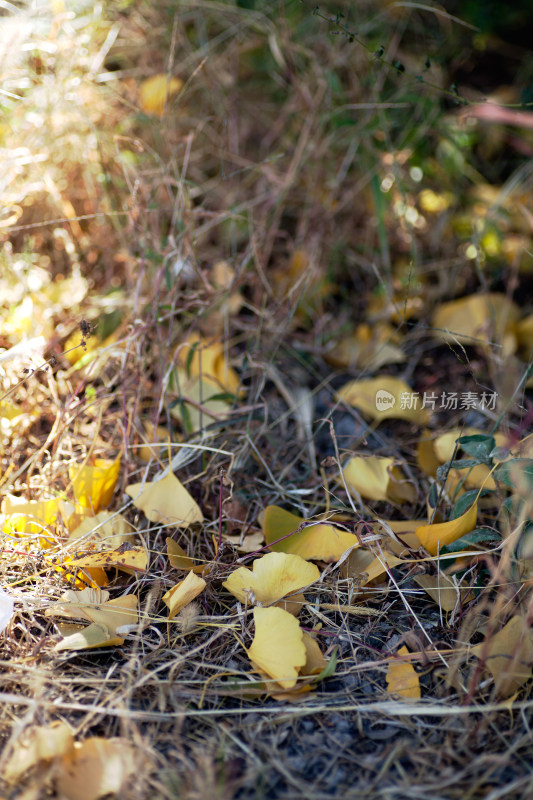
330 667
473 539
466 500
461 463
478 446
516 474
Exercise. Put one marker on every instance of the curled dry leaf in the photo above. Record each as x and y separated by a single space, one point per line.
183 593
166 500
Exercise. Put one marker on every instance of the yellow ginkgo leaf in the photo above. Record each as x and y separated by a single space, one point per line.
107 617
320 542
272 577
166 500
125 556
200 358
278 648
183 593
476 319
508 655
402 679
94 484
377 478
385 397
37 745
368 347
443 590
177 556
315 662
104 531
433 537
98 767
155 92
92 636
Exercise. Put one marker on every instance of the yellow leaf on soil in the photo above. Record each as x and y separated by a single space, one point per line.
178 557
166 500
442 590
377 478
107 616
320 542
385 397
368 347
433 537
247 544
155 92
93 485
278 648
508 655
37 745
272 577
183 593
90 637
476 319
402 679
103 531
208 360
98 767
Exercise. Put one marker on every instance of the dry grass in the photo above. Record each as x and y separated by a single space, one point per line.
274 157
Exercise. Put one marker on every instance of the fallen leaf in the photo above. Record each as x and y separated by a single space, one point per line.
33 746
156 91
377 478
385 397
97 767
368 347
247 544
477 319
508 655
104 530
183 593
402 678
178 557
200 358
278 648
433 537
166 500
94 484
106 616
125 556
271 578
443 590
319 541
